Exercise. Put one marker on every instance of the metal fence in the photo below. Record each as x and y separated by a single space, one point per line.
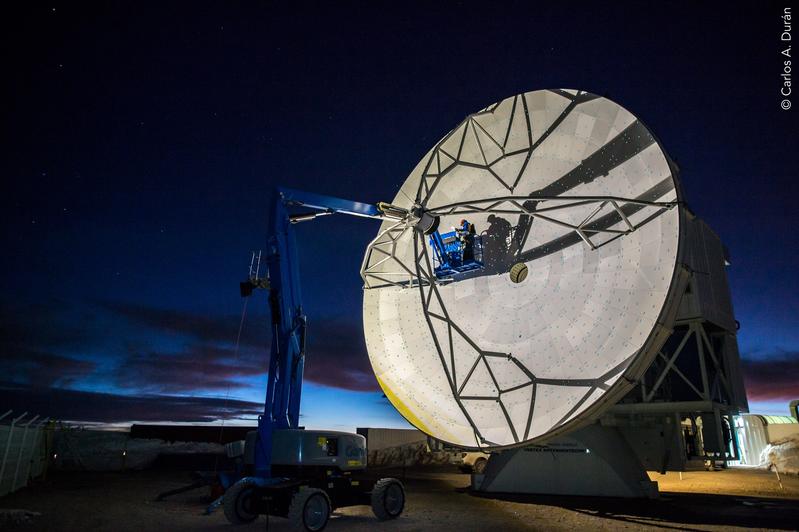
24 448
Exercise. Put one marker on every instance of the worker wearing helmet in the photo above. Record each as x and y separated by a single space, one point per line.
466 233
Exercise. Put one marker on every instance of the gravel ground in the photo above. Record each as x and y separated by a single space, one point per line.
437 499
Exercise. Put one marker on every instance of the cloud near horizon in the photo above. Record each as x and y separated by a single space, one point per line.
40 369
336 354
162 356
199 367
772 377
35 343
141 349
96 407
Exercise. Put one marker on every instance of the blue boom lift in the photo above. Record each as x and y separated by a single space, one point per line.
288 471
454 254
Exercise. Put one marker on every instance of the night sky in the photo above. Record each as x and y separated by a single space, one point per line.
141 144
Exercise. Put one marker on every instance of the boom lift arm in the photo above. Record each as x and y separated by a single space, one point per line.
289 322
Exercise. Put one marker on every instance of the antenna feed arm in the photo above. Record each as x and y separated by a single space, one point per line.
392 211
417 217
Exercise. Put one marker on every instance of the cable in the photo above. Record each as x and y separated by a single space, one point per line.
227 393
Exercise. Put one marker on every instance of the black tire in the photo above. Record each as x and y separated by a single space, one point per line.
238 501
388 498
480 466
309 510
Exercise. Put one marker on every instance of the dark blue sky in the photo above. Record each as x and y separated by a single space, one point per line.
142 142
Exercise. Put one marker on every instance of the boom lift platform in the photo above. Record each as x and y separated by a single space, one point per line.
450 257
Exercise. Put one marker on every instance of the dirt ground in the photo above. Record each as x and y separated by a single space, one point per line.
437 499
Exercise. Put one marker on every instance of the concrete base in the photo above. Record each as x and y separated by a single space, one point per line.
594 460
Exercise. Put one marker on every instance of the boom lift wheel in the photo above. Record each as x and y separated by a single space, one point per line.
309 509
388 498
238 501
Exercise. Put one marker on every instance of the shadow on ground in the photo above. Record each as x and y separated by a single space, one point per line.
438 498
679 511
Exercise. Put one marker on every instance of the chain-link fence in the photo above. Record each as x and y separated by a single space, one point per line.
25 441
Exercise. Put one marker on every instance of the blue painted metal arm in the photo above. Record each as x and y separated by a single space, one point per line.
292 197
289 323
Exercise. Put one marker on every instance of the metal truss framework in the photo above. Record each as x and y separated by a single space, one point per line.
438 318
610 216
529 205
382 249
706 390
711 388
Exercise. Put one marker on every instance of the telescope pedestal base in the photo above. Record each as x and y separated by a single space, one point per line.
592 461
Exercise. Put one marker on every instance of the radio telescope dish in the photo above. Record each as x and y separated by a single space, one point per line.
571 280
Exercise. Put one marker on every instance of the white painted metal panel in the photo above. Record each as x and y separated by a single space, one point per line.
482 361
